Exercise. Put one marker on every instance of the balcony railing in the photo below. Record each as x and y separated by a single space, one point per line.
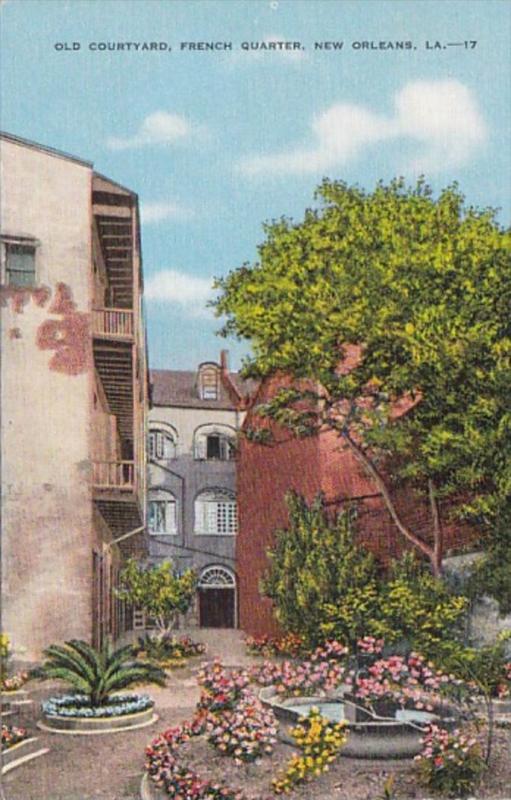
113 475
113 322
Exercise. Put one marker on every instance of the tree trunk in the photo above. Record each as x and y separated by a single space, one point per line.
434 554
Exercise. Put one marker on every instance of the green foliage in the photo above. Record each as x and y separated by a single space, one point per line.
422 286
486 666
451 764
159 591
97 673
419 608
315 566
325 586
492 575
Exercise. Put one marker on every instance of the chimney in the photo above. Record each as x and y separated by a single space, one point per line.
224 361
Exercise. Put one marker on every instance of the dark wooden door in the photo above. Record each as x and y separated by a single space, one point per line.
216 608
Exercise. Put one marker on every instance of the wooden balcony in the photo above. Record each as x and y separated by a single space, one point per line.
113 475
112 323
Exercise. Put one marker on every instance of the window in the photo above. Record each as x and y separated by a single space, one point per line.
208 382
162 517
215 513
214 442
19 264
161 445
220 447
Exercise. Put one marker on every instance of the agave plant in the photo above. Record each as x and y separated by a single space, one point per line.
97 673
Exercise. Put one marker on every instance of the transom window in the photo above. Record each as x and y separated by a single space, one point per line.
215 513
19 264
217 578
161 445
162 516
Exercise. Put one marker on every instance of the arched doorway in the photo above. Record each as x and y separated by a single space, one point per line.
217 598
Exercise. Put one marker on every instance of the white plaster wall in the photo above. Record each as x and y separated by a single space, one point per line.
45 439
187 420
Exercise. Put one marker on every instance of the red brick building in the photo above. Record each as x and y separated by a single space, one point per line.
266 472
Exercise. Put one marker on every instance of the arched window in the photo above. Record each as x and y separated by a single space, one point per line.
217 577
215 513
162 513
214 442
162 442
208 379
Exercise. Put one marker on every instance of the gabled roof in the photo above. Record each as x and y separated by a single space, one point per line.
172 387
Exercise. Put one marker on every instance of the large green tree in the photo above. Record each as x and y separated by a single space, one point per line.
419 290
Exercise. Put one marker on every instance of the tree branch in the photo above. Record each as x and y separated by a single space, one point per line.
438 538
382 487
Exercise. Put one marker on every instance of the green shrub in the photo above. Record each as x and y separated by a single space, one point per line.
322 584
97 673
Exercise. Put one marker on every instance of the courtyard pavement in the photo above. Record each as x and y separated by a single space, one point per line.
110 766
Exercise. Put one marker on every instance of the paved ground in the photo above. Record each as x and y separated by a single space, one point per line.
109 767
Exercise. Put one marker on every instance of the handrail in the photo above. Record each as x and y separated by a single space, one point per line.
113 474
113 322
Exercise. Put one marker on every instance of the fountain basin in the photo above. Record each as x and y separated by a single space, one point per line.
375 736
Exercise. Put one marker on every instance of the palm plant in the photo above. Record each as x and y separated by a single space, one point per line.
97 673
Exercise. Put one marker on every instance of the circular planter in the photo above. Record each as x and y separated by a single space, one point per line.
373 737
56 722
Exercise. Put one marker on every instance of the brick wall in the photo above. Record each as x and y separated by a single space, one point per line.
267 472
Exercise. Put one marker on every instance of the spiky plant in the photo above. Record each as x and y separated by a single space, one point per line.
97 673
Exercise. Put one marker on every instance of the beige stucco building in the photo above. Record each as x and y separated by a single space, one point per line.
73 396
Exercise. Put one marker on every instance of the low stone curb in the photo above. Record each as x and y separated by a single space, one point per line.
86 726
148 791
21 753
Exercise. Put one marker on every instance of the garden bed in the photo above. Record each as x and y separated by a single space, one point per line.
72 714
356 779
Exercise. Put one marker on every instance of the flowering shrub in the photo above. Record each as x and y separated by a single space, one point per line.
410 680
14 683
370 645
322 672
221 689
165 769
246 733
289 645
450 763
168 650
320 741
331 650
12 735
235 721
78 705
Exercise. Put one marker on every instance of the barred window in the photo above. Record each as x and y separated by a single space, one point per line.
216 513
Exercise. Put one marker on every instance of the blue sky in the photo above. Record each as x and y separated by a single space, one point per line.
215 143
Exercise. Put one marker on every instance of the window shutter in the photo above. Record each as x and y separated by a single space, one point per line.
211 517
200 447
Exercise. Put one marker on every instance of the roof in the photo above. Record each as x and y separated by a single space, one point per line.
9 137
179 388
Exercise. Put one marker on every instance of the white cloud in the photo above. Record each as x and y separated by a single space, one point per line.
160 127
163 210
188 292
441 117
